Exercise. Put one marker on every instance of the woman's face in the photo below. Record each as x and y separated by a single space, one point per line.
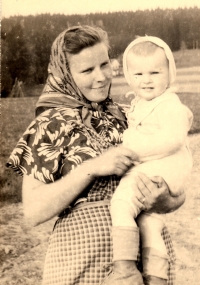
91 71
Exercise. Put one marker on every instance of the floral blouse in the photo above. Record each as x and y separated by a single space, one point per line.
56 142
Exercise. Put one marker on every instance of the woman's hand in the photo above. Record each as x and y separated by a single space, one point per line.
155 195
38 196
116 160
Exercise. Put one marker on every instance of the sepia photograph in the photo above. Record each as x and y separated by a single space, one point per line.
100 142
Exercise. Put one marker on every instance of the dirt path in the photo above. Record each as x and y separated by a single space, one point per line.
23 248
184 225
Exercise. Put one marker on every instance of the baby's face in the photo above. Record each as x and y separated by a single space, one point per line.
149 75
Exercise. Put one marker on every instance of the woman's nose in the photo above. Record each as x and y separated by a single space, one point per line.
99 75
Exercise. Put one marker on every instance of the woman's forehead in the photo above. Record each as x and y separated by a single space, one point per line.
89 56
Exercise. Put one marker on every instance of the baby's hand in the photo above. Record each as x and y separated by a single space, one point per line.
116 160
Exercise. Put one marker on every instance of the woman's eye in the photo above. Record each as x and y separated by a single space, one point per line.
87 70
136 74
105 64
155 72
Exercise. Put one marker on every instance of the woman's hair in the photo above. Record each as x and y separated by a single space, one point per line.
144 48
79 37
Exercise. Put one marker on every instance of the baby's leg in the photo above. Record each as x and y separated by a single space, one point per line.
125 237
123 210
151 226
125 207
154 253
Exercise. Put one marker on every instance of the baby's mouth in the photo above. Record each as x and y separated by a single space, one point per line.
148 89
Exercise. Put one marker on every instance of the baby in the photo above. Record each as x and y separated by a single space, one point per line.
158 128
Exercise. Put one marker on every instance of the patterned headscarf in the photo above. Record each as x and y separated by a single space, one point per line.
158 42
61 90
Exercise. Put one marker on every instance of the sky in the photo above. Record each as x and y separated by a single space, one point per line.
68 7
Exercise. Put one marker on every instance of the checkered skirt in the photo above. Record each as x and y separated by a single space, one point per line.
80 247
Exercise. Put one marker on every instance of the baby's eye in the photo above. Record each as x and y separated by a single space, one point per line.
136 74
155 72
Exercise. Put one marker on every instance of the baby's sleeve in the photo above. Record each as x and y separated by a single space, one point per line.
173 123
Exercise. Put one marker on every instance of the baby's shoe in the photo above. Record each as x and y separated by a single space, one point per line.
155 266
125 251
153 280
124 272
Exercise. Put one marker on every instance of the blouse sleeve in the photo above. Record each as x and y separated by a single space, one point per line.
52 146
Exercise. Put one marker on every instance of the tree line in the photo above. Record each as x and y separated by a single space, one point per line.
26 41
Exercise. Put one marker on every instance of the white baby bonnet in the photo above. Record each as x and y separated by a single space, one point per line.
158 42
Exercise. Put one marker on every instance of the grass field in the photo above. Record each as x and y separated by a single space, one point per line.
187 58
23 248
17 113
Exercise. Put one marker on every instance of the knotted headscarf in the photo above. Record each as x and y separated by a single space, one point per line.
159 43
61 91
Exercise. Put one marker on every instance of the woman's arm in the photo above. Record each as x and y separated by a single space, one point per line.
44 201
158 199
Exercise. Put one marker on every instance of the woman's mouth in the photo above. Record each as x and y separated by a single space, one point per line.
99 87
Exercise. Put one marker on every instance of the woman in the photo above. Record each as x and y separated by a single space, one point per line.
71 165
